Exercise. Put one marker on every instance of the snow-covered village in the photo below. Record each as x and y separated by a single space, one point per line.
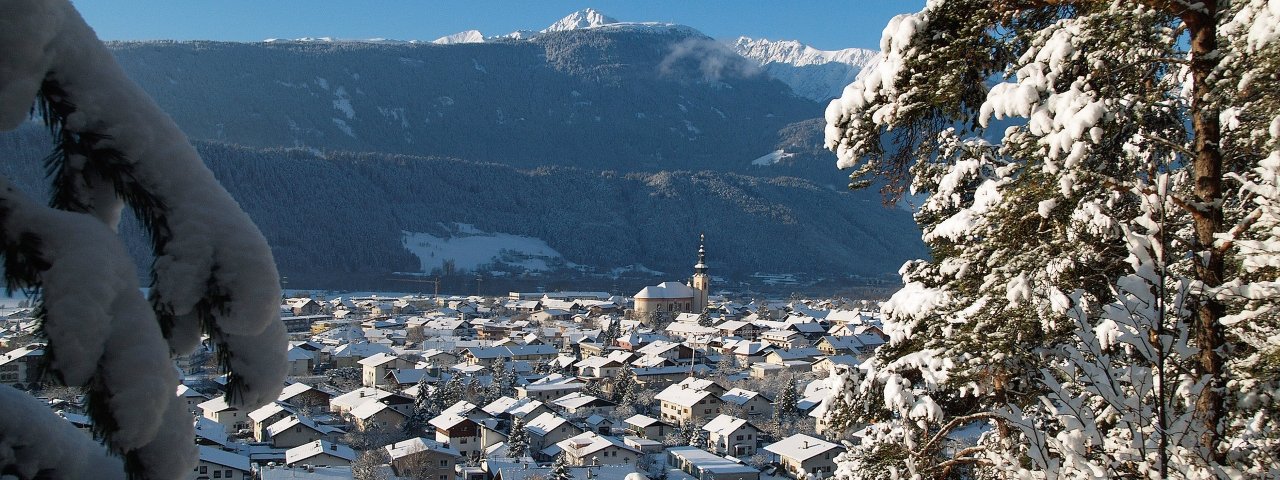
713 240
671 382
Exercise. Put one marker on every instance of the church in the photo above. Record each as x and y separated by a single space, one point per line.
677 297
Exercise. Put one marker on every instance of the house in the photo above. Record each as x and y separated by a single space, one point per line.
267 415
698 383
680 404
374 369
377 415
590 448
507 408
23 367
320 453
343 404
218 463
304 396
301 362
676 352
784 338
704 465
599 424
581 405
460 433
599 367
487 355
801 454
191 398
647 427
218 410
782 356
729 435
753 404
748 352
350 354
423 458
548 429
305 306
296 430
550 387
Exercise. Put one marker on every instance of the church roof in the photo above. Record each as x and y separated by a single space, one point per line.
666 290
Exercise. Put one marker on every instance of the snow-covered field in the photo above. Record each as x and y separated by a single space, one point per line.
470 248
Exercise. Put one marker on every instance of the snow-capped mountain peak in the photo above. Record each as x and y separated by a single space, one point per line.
585 18
469 36
795 53
817 74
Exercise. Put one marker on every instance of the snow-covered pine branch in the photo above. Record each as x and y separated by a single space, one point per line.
213 271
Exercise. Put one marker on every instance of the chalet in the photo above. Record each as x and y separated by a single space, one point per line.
581 405
660 377
599 367
590 448
729 435
507 408
736 328
218 410
267 415
687 331
647 427
302 395
707 384
423 458
550 387
459 433
599 424
296 430
320 453
748 352
680 404
753 404
350 354
23 368
377 415
548 429
191 398
782 356
532 353
304 306
704 465
676 352
801 455
218 463
784 338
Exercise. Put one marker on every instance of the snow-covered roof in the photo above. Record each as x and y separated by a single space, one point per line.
642 421
711 463
739 396
218 404
378 359
801 447
512 406
545 423
305 451
666 290
291 421
294 389
724 424
576 400
419 444
588 443
218 456
447 421
369 409
682 395
266 411
359 396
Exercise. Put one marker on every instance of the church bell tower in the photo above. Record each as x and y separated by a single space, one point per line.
701 282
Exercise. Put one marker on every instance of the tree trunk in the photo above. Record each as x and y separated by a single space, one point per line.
1207 169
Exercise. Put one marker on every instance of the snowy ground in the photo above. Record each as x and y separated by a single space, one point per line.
470 248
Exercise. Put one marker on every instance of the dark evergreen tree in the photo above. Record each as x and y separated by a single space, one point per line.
518 439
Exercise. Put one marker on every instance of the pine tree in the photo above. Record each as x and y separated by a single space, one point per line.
786 408
425 407
518 440
560 468
1085 253
213 273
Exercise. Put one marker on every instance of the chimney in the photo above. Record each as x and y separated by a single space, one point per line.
806 444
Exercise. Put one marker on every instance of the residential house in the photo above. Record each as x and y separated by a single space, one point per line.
729 435
647 427
548 429
218 410
375 368
23 367
704 465
320 453
423 458
218 463
802 454
590 448
753 404
581 405
296 430
680 404
377 415
191 398
550 387
459 433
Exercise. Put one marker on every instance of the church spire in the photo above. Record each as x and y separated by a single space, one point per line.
701 267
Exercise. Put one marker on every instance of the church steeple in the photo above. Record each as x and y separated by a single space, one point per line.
701 267
701 282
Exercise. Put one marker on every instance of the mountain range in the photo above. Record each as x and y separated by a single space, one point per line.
589 149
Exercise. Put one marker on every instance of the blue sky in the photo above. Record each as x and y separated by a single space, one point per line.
825 24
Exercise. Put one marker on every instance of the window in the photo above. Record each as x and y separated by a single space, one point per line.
739 437
706 410
204 469
444 463
217 474
463 441
227 474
